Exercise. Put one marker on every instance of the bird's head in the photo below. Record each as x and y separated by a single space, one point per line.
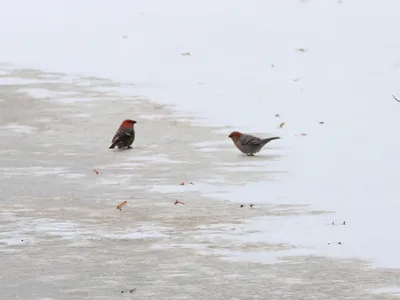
235 135
128 123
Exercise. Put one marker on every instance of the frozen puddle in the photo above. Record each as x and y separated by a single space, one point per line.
139 233
42 171
255 192
153 117
4 72
20 129
70 79
55 228
127 165
165 189
83 115
35 171
212 146
122 90
74 100
18 231
125 179
310 233
73 175
18 81
156 159
45 93
395 290
211 149
183 246
264 257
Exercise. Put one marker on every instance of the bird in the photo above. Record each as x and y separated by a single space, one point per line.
124 136
249 144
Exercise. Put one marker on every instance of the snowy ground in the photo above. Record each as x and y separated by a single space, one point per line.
335 62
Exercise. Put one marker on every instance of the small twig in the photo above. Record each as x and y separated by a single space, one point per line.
395 98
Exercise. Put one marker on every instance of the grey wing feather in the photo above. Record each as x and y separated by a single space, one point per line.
250 139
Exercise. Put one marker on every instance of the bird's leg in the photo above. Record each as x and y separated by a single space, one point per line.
251 154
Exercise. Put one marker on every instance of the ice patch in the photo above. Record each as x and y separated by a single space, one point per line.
127 165
35 171
17 81
125 179
108 182
243 163
82 83
50 76
261 192
184 246
211 149
72 175
139 233
75 100
311 234
58 96
159 188
83 116
44 120
153 117
136 235
264 257
4 72
156 159
70 79
20 129
13 241
207 144
38 93
394 290
19 231
57 228
165 189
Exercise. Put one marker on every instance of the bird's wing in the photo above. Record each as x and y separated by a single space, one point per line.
247 139
120 135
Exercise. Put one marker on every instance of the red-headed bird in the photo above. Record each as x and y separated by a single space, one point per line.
249 144
124 136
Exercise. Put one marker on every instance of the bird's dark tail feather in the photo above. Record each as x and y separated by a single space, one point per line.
271 139
112 146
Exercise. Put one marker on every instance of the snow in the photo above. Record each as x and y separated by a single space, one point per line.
244 68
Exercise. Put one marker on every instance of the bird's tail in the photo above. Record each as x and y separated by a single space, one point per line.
271 139
113 145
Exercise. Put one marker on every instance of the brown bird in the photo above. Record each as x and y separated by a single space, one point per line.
124 136
249 144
